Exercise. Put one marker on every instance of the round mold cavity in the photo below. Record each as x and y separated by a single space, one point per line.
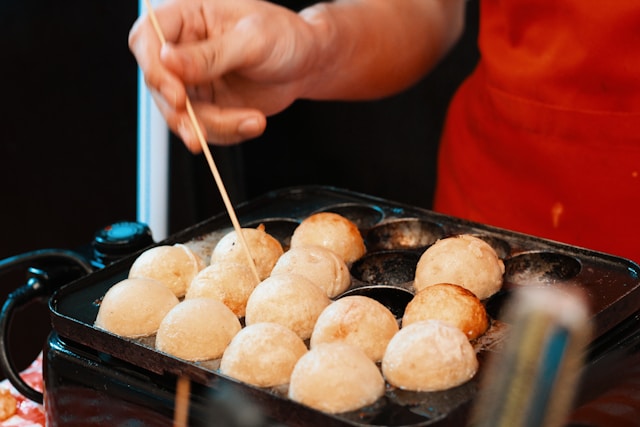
496 303
501 246
392 297
280 228
407 233
386 267
363 216
434 405
540 268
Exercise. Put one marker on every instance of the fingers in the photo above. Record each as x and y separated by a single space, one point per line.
146 47
192 59
220 126
212 58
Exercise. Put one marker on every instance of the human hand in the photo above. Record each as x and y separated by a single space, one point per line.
238 61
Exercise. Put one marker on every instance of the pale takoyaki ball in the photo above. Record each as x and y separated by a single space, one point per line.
463 260
332 231
357 320
197 329
227 281
263 354
450 303
335 378
429 355
135 307
318 264
174 265
264 248
289 299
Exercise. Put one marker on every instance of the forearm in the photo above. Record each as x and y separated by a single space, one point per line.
372 48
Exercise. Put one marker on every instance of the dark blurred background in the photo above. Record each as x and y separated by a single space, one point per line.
68 141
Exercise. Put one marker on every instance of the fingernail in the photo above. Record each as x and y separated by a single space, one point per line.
249 127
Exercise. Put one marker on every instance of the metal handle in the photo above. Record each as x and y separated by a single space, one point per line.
37 287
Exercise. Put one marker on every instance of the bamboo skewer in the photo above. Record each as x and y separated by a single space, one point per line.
209 157
181 413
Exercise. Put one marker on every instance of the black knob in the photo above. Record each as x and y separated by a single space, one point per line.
120 239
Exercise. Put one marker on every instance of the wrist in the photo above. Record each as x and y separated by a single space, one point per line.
322 53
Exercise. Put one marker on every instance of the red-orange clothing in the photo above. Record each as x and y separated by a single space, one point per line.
544 136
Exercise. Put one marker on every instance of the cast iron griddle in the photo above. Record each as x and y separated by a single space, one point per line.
395 234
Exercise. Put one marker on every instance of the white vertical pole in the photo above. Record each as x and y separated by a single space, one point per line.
153 162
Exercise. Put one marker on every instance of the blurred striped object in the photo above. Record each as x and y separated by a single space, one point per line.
531 381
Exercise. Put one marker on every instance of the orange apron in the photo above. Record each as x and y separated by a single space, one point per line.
544 136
